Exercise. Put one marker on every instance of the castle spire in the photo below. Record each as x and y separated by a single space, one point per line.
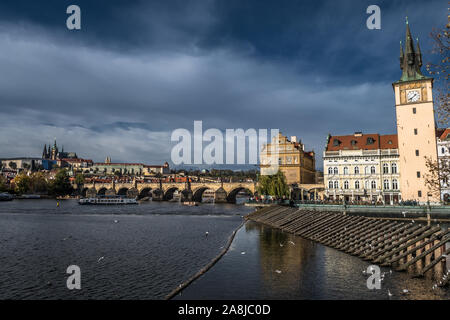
44 153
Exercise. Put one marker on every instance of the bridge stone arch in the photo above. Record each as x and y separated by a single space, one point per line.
231 198
102 191
122 191
145 192
168 193
197 194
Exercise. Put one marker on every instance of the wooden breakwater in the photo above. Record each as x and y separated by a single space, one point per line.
401 245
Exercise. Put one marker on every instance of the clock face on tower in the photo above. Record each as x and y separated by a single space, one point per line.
413 96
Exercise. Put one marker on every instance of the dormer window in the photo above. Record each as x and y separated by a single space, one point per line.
336 142
354 142
370 140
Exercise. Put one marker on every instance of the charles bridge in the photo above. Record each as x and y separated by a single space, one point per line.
193 191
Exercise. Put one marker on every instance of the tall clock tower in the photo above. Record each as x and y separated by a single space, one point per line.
415 123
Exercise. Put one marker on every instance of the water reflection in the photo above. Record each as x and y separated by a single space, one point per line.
279 265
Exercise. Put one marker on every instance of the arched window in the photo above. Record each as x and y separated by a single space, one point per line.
345 170
443 150
366 184
346 184
394 168
366 170
386 184
336 184
356 170
385 168
372 169
330 184
336 171
374 184
394 184
330 170
356 184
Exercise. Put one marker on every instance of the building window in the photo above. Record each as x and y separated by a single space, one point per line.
366 184
372 169
356 170
419 193
279 160
336 185
330 170
385 168
366 170
443 150
415 131
356 184
330 184
414 110
418 174
336 171
386 184
417 152
370 140
345 170
374 184
336 142
394 168
394 184
346 184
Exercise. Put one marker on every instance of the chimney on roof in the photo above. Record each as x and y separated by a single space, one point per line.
293 139
358 134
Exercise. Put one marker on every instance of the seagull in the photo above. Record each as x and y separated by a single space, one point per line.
243 252
100 259
116 221
278 271
405 291
389 293
206 233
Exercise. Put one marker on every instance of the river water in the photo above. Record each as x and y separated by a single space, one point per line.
145 251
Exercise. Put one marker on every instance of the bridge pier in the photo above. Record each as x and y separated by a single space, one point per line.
220 196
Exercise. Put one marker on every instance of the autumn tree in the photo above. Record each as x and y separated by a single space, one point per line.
439 70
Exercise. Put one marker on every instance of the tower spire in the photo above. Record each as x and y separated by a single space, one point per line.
410 58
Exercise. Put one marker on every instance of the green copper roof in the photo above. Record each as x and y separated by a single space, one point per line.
410 59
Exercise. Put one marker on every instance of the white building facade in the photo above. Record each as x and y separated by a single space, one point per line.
362 168
443 149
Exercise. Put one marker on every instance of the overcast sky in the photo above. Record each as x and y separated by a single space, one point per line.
137 70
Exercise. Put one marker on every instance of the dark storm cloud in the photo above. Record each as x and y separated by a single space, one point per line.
138 70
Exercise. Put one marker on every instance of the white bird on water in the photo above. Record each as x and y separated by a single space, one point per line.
100 259
206 234
116 221
278 271
243 252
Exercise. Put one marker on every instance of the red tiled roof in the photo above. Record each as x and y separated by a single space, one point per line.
442 133
389 141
